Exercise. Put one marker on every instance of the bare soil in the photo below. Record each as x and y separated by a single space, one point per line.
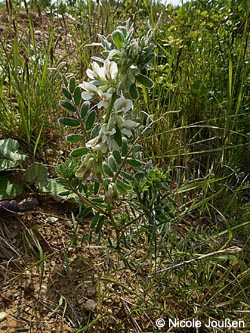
41 272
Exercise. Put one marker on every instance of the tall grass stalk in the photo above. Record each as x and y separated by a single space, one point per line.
28 97
200 72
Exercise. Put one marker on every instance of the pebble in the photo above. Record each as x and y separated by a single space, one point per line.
51 219
89 305
3 316
69 223
43 290
91 291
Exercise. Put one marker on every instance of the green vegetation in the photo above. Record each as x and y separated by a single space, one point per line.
164 199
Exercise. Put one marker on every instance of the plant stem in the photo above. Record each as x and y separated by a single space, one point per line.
87 202
110 107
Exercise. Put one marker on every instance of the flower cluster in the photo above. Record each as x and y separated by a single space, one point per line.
110 88
103 85
105 141
103 82
132 55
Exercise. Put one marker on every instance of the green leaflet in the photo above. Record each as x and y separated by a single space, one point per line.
68 121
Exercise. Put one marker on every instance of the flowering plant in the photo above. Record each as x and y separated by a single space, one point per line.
101 113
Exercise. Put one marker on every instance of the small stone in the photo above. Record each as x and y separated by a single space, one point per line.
38 32
3 316
43 290
69 223
51 219
91 291
28 287
89 305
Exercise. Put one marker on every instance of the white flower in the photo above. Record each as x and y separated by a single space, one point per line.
130 124
100 85
123 105
109 139
90 90
97 72
109 71
105 97
96 144
104 141
127 126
